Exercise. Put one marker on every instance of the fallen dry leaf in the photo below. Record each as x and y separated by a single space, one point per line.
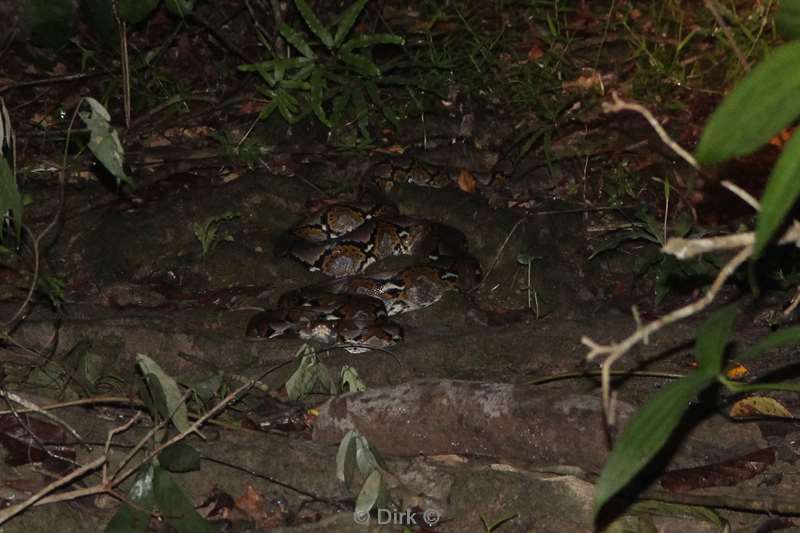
759 406
466 181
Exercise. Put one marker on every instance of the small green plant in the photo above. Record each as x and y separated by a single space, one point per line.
667 271
208 232
335 77
358 459
247 151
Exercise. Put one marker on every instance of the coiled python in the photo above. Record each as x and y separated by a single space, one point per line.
342 240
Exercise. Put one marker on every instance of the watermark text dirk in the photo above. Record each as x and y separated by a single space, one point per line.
393 517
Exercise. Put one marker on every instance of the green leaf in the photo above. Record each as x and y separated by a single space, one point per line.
787 19
349 18
50 23
263 69
131 519
180 457
104 141
759 106
645 434
172 407
314 23
364 41
373 494
179 8
361 64
135 11
295 39
268 109
287 106
350 380
317 88
712 337
10 198
367 457
178 509
310 374
783 188
783 337
346 458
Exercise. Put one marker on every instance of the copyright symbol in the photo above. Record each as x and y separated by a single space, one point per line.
431 517
361 518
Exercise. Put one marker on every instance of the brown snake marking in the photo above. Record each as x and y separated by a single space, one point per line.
342 241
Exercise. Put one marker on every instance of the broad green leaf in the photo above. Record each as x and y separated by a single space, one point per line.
787 19
346 458
712 337
129 519
361 64
367 457
373 494
783 188
179 8
177 508
50 23
308 376
104 141
295 39
351 381
363 41
349 18
180 457
783 337
762 104
135 11
157 380
10 198
314 23
645 434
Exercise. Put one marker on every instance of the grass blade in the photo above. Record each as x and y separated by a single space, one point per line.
348 19
314 23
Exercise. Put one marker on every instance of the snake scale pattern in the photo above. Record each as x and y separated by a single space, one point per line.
342 240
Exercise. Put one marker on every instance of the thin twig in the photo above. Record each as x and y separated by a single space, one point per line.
616 350
619 104
32 407
14 510
745 196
